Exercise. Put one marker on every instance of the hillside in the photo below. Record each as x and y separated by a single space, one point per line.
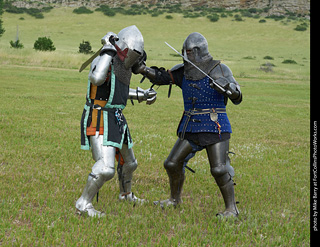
275 7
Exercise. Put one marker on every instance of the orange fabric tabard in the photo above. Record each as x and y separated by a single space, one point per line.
91 130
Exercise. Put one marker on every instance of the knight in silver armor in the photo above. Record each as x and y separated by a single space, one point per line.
204 124
103 126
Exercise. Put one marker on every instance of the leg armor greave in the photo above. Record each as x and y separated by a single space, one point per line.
176 179
125 173
84 203
174 167
223 173
102 171
99 175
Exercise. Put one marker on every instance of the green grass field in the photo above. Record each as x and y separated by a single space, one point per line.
43 170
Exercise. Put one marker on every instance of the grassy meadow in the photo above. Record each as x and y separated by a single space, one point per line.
43 170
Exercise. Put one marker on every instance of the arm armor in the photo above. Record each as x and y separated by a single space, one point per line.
158 76
224 77
100 65
149 95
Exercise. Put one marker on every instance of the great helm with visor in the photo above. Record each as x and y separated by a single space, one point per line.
129 45
195 48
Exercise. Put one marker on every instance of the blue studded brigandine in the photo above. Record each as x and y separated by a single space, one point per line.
200 97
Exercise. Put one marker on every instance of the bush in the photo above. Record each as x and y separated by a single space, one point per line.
267 67
268 57
301 27
106 10
35 12
246 14
85 47
16 44
276 17
44 44
238 18
82 10
213 18
289 61
249 57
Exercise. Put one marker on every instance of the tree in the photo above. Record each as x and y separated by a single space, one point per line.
85 47
44 44
1 11
17 44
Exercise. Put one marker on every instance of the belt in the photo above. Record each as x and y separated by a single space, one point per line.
193 112
99 108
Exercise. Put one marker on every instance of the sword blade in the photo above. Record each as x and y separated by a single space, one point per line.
186 59
86 63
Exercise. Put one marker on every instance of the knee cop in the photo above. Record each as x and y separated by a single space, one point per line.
223 173
172 167
102 172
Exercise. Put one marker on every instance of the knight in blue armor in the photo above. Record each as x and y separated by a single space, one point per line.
204 124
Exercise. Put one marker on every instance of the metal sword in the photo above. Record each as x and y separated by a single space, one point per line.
186 59
86 63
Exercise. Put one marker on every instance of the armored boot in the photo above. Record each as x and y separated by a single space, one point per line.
176 184
223 173
84 203
226 186
125 185
125 173
227 192
175 199
174 167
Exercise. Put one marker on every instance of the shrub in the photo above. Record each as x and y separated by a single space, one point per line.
301 27
249 57
253 10
16 44
267 67
289 61
82 10
35 12
268 57
106 10
44 44
14 10
169 17
246 14
238 18
213 18
85 47
276 17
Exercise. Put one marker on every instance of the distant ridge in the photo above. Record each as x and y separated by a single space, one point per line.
275 7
